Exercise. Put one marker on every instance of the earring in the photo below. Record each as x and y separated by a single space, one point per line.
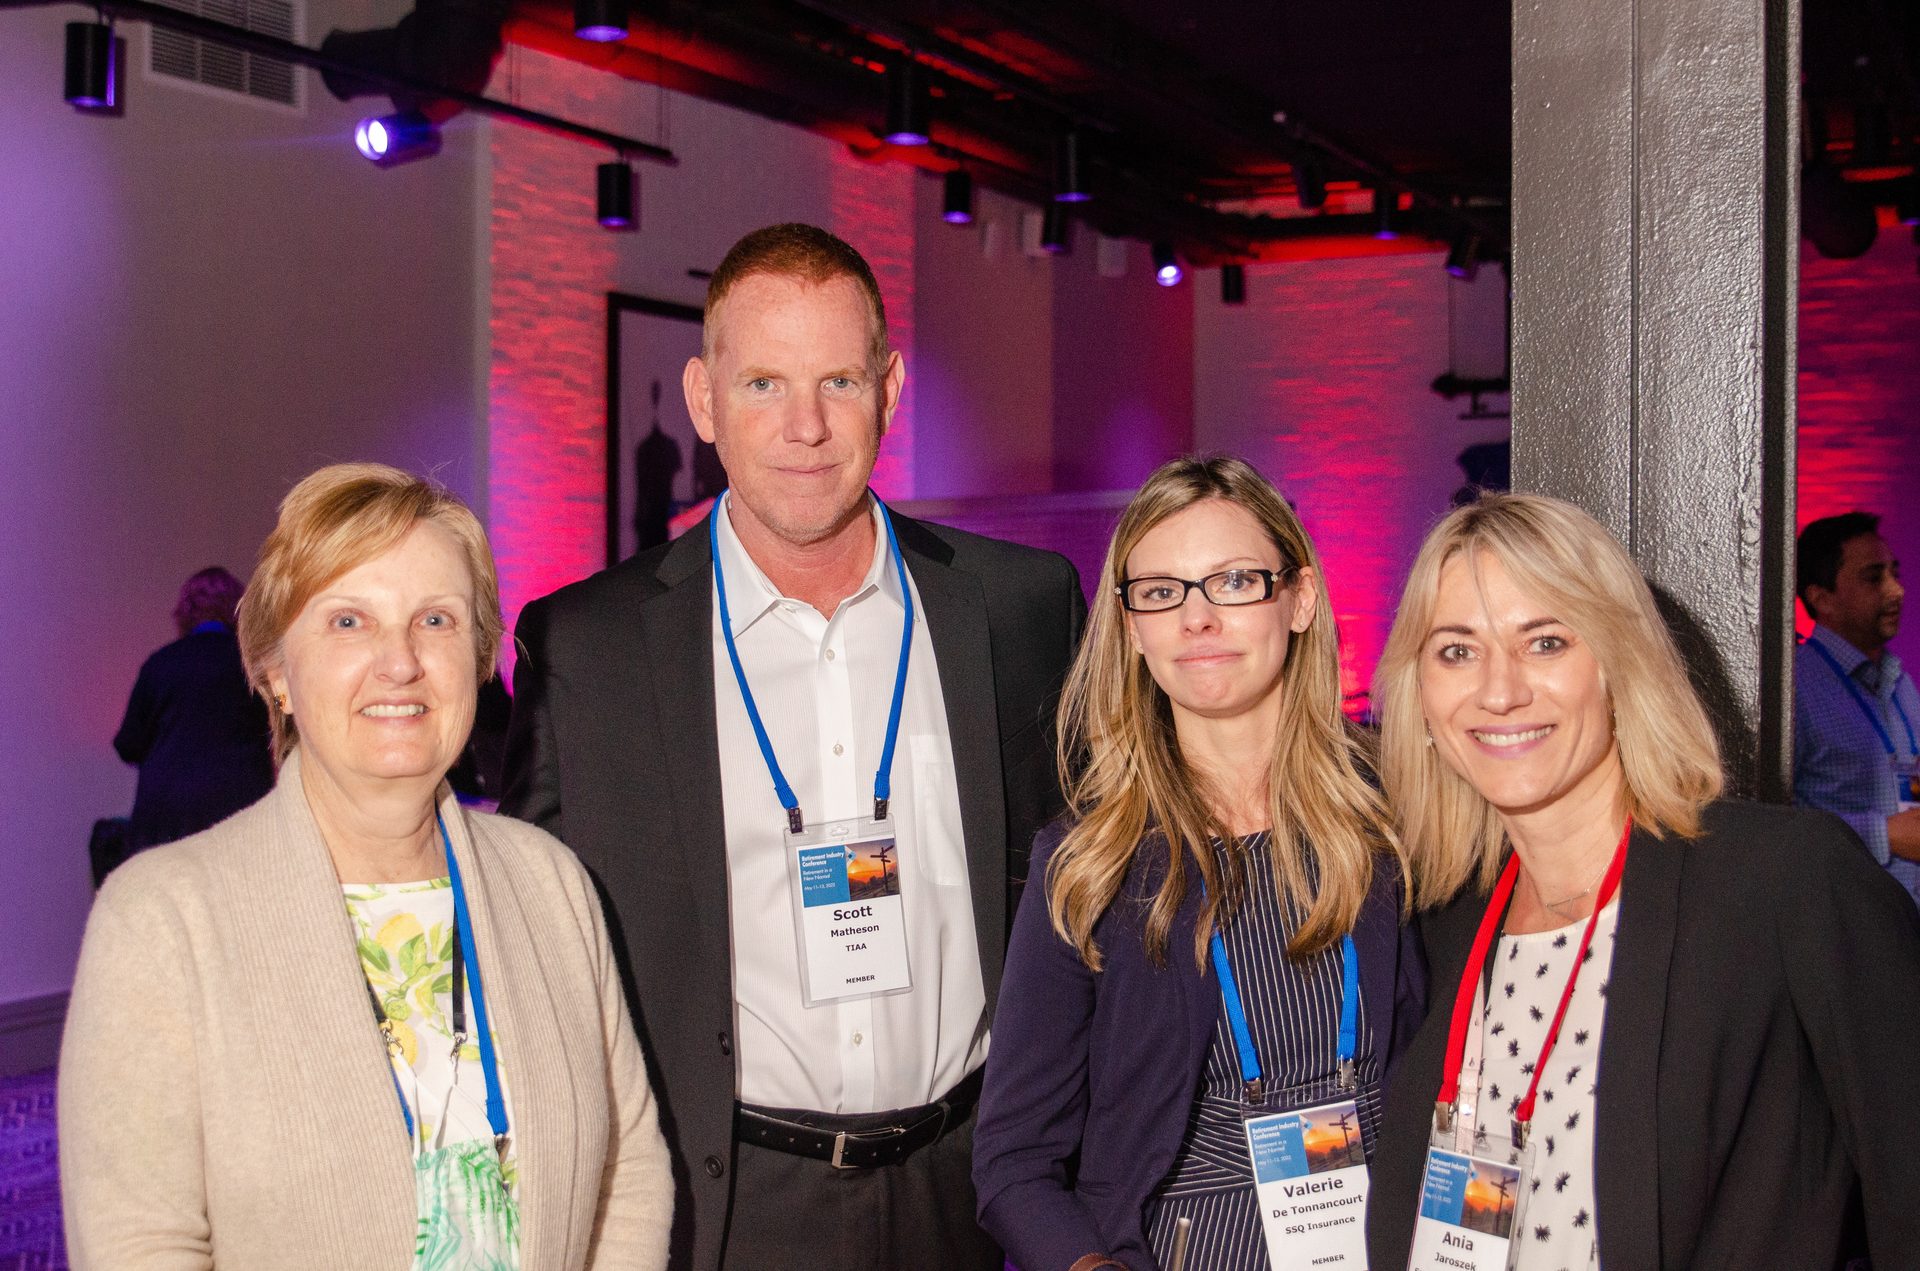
280 700
1429 734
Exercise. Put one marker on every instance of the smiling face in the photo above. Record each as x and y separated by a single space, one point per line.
1217 662
1514 699
792 404
378 668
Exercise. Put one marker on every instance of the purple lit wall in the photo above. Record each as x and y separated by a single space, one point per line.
1321 380
1859 441
1123 368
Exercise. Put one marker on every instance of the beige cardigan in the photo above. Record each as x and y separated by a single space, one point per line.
225 1098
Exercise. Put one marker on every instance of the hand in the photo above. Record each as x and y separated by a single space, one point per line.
1903 834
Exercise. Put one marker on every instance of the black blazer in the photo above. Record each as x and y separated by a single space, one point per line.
1757 1059
1091 1078
613 748
199 735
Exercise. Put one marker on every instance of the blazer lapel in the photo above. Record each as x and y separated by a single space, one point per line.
1627 1133
1376 940
956 616
676 629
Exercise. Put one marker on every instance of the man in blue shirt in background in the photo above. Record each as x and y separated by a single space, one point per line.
1856 711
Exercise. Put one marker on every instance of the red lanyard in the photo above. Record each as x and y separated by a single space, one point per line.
1470 983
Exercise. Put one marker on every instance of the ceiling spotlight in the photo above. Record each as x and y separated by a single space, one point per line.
602 21
391 139
909 106
1385 203
89 79
1309 184
1069 178
1056 230
1233 284
957 200
1463 257
614 206
1166 266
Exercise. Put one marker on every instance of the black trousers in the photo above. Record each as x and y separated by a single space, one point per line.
794 1212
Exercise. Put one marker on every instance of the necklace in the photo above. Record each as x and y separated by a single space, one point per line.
1558 906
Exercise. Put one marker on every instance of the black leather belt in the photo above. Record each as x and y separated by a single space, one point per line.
857 1142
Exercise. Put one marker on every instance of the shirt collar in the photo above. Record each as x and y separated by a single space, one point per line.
1851 660
751 594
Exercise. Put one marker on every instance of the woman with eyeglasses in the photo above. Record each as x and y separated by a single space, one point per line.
1208 973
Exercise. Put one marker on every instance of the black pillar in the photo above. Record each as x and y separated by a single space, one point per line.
1655 232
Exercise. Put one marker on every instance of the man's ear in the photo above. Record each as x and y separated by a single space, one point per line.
697 386
890 385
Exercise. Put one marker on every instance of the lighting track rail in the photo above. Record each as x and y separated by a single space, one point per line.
247 41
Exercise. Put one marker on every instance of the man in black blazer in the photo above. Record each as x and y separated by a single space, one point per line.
630 741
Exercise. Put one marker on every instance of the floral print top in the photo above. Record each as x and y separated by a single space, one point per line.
405 934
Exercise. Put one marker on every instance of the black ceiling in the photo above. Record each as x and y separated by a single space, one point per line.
1177 103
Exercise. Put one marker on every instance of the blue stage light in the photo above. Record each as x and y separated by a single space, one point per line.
391 139
1166 266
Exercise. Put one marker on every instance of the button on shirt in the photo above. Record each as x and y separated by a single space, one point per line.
1840 763
823 686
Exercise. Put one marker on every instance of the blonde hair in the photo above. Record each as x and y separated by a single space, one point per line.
1131 792
1566 561
335 520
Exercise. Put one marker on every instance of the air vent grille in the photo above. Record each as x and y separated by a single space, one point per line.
216 66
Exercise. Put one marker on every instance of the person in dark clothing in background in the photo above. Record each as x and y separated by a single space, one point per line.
198 734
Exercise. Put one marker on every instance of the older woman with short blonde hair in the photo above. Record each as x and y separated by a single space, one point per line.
1670 1030
358 1025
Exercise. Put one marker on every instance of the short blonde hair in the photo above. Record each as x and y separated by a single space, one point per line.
336 520
1565 560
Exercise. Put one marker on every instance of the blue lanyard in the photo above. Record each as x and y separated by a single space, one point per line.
883 779
1250 1071
466 977
1860 700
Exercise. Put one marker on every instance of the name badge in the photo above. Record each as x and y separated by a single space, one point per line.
847 910
1906 782
1310 1180
1470 1207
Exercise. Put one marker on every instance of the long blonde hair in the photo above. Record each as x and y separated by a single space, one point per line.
1565 560
1130 791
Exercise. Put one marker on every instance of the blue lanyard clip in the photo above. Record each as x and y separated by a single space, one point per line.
794 822
880 809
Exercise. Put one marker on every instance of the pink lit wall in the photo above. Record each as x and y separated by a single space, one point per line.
551 267
1321 380
1859 441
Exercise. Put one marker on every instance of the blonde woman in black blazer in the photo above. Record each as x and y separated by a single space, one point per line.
1754 997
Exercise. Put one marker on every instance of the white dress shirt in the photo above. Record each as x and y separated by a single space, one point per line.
823 687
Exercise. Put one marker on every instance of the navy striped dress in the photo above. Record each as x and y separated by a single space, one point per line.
1293 1012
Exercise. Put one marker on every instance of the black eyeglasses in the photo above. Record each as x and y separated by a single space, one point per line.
1228 587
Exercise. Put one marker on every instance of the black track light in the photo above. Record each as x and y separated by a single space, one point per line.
1309 184
1233 284
1385 203
402 138
909 106
616 207
1069 176
957 198
1166 265
1463 256
602 21
1056 230
89 78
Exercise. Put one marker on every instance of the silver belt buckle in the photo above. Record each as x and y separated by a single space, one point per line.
839 1149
